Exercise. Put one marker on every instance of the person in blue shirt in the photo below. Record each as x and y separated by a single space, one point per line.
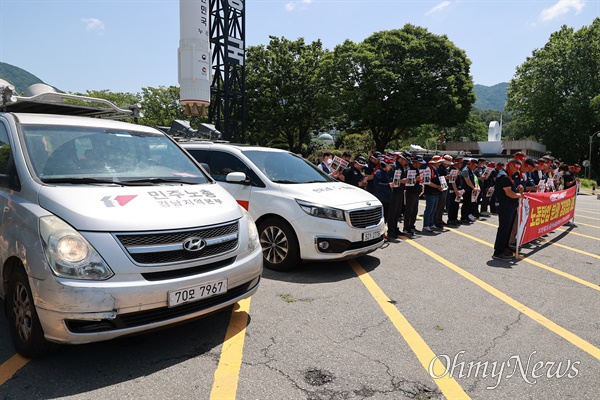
508 192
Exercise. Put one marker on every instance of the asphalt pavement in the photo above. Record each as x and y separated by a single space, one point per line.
430 317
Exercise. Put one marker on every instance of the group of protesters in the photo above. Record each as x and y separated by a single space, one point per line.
451 185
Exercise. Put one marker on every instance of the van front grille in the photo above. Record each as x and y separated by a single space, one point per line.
167 247
366 217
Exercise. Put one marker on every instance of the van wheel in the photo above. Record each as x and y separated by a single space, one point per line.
279 245
23 322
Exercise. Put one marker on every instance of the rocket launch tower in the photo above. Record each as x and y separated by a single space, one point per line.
213 82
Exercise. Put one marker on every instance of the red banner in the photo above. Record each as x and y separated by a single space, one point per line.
541 213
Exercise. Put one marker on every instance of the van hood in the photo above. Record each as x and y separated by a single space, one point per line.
104 208
332 194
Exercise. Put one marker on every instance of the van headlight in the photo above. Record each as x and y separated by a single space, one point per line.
319 211
69 254
253 241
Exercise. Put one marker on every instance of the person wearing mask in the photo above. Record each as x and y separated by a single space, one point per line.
412 191
470 186
395 207
493 175
382 189
325 163
354 174
454 190
480 179
443 171
432 190
509 191
370 169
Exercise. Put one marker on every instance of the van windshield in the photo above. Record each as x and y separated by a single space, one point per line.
70 154
284 167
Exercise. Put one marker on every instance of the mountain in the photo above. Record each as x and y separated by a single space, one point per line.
491 97
17 77
488 97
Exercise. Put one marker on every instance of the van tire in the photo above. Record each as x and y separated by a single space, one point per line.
279 243
23 322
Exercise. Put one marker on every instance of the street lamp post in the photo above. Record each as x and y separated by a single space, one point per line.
590 158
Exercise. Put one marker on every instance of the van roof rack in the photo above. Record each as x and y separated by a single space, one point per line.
52 102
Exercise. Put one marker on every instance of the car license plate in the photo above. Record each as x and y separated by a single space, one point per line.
370 235
195 293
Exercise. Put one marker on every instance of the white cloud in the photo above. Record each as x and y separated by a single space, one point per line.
93 25
301 5
438 8
561 8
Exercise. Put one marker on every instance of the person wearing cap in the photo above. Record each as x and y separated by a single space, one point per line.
487 189
469 185
371 168
354 174
382 189
454 190
493 175
443 172
412 191
432 190
396 207
480 184
509 190
568 177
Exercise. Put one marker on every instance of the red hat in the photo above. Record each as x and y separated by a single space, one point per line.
491 165
436 159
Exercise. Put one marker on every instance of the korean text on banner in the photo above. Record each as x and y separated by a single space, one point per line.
541 213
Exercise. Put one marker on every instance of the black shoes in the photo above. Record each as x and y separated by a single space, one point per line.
503 256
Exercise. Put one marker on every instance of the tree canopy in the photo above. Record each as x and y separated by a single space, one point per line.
283 95
400 79
555 94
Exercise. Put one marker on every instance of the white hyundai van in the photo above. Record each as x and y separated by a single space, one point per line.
109 228
301 212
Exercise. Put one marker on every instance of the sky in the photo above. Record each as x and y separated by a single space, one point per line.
126 45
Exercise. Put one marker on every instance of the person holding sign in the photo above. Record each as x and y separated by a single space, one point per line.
382 188
432 194
508 191
412 192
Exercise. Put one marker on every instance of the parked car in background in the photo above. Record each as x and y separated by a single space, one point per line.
301 212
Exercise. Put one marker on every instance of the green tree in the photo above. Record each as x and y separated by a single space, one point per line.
553 91
397 80
284 97
161 106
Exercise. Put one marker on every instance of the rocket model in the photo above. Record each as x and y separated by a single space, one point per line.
194 59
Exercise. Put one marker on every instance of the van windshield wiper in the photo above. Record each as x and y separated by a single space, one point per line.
154 181
284 181
79 181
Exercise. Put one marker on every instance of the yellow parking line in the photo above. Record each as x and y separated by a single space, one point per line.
579 234
586 217
552 242
528 260
10 367
588 225
228 371
588 211
539 318
449 387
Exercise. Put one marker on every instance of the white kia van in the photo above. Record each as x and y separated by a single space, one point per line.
301 212
109 228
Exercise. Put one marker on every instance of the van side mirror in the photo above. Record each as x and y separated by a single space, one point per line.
237 177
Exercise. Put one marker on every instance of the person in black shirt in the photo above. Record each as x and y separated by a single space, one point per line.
443 171
508 191
432 190
412 192
454 188
382 188
395 207
354 175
